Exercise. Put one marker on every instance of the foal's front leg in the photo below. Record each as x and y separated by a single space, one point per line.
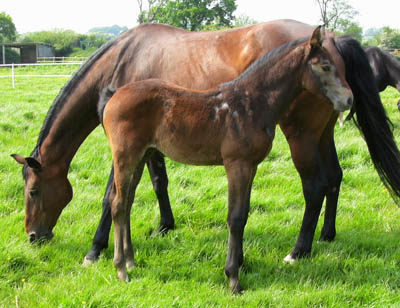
125 186
240 178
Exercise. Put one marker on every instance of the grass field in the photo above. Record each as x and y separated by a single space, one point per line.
361 268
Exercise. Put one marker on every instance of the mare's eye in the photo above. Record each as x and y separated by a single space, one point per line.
326 68
33 192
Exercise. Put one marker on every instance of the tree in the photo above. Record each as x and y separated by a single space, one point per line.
7 28
189 14
244 20
336 13
390 38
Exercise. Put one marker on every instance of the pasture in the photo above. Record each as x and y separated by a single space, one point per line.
361 268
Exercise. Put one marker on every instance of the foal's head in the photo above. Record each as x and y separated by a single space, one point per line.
322 77
47 192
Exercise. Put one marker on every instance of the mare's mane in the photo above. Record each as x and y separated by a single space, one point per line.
71 85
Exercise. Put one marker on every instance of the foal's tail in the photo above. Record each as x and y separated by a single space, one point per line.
371 118
105 96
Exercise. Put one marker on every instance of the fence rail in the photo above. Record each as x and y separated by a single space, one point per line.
12 74
61 59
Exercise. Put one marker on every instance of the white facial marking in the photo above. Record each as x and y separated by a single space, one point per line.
235 114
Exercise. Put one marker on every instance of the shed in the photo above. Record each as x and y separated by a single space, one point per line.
29 52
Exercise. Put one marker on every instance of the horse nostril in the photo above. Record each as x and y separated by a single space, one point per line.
32 237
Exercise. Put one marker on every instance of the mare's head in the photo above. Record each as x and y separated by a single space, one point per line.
322 77
47 192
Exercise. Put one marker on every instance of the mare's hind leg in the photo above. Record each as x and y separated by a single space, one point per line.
125 187
159 178
240 179
335 175
307 159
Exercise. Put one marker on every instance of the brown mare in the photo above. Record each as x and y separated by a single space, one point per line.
231 125
202 60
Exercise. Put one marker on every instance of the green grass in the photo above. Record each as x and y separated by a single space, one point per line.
361 268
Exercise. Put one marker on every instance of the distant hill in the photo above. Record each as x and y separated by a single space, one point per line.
113 30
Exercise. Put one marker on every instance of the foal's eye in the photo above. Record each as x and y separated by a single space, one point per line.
326 68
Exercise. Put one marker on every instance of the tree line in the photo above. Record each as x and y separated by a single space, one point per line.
195 15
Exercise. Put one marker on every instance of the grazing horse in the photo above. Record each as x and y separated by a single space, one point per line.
231 125
202 60
386 70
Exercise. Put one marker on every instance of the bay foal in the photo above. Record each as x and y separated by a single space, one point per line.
231 125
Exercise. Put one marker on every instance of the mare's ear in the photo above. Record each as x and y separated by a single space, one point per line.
30 161
19 159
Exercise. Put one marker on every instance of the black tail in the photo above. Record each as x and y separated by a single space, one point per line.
371 118
105 96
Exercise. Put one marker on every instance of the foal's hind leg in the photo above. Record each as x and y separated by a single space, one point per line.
240 179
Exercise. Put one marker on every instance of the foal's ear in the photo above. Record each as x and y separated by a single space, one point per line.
317 37
30 161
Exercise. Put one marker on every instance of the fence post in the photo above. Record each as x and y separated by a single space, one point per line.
12 75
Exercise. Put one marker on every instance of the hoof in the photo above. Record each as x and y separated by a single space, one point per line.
123 276
162 230
130 265
326 238
88 262
236 288
289 259
91 257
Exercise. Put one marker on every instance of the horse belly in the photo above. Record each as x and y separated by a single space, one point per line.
190 150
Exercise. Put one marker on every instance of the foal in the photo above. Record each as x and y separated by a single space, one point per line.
232 125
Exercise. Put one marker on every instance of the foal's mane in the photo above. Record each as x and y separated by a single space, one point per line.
269 58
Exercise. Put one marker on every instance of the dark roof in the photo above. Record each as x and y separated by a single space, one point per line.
21 45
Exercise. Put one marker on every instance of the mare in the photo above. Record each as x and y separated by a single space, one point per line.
231 125
386 70
202 60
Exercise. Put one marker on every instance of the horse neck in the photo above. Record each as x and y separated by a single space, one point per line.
393 68
273 86
64 130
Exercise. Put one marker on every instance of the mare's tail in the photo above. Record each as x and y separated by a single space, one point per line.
371 118
105 96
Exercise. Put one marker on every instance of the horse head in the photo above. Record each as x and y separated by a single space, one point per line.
47 192
325 76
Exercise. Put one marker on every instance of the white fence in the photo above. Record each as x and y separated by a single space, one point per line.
12 75
60 59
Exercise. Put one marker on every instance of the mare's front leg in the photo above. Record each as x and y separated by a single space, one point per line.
100 240
125 187
307 159
335 175
240 178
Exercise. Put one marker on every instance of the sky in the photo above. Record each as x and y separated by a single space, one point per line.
82 15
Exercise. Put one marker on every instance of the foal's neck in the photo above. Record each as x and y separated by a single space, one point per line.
272 86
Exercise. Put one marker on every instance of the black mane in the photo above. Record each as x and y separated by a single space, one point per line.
61 98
